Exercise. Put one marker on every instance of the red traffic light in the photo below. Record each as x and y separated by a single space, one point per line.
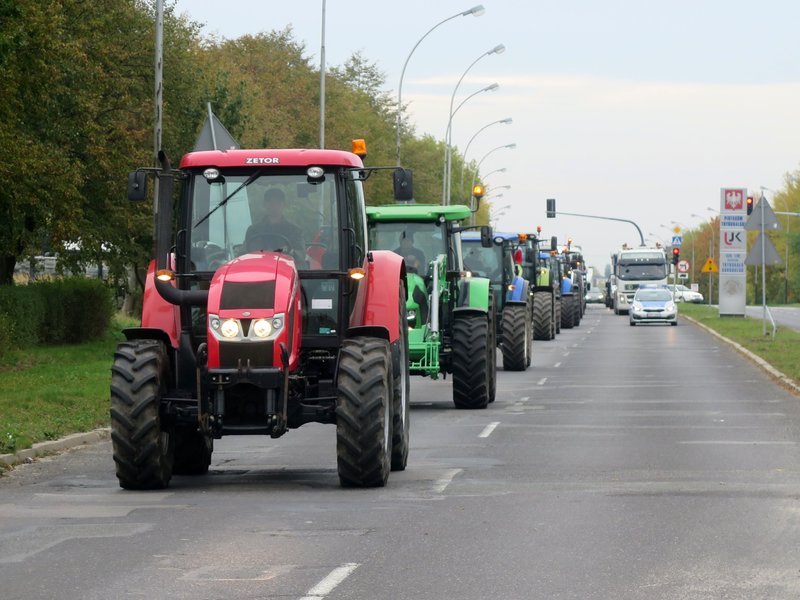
676 256
749 204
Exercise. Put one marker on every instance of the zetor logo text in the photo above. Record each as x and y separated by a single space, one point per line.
253 160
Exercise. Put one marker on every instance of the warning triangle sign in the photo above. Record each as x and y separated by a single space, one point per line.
710 266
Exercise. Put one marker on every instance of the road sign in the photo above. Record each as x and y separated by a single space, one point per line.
770 220
683 266
768 257
676 230
683 276
710 267
677 240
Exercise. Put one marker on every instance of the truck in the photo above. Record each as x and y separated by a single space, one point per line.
450 316
512 295
634 267
248 331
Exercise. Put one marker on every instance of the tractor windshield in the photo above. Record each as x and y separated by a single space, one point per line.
418 243
487 262
240 213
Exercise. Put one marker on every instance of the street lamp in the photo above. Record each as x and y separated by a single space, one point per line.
476 11
506 121
499 49
485 156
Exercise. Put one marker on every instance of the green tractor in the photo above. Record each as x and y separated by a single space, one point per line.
450 316
542 269
512 295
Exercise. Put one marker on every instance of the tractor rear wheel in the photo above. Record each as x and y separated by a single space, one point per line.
516 332
492 349
470 363
557 313
567 312
143 449
543 316
400 395
364 412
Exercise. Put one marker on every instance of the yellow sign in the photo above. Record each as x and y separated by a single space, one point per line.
676 230
710 267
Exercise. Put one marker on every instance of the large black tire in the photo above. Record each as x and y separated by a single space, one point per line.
401 396
193 450
576 311
364 412
516 334
492 350
567 312
143 450
472 379
557 312
543 326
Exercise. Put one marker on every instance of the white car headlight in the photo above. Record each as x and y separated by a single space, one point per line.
262 327
229 328
670 306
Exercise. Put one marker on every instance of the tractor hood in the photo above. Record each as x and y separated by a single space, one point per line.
258 284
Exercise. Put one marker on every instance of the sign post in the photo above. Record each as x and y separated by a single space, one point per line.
732 249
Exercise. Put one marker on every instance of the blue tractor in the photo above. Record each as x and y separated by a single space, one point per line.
512 294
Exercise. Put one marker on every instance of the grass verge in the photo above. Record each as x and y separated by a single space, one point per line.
47 392
783 352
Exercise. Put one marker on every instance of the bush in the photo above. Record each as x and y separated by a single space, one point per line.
64 311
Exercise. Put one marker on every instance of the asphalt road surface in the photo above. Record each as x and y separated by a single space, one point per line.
647 463
785 316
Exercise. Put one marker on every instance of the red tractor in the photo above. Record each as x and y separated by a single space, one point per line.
264 309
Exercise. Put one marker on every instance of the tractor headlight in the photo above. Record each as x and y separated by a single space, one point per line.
262 327
277 323
229 328
411 317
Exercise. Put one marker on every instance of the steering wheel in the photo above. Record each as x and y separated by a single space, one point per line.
267 242
214 256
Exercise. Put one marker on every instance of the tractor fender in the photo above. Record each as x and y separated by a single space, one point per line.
519 293
157 313
377 303
474 292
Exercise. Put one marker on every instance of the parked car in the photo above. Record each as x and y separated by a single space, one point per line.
595 296
684 294
653 305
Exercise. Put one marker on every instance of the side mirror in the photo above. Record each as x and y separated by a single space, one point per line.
137 186
486 236
402 180
554 243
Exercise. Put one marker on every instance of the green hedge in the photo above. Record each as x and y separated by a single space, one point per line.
64 311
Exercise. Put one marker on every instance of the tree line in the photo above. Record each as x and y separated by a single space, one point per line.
77 115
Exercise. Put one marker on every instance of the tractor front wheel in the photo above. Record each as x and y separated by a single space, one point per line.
543 326
516 335
470 363
364 412
143 450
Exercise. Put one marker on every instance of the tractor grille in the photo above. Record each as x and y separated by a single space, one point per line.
258 353
248 295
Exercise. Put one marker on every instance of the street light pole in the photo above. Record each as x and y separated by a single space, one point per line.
499 49
506 121
476 11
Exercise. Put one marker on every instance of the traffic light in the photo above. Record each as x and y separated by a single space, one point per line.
676 255
749 204
551 208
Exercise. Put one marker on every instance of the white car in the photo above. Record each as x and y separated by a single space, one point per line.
684 294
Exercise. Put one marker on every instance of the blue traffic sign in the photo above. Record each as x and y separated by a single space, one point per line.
677 240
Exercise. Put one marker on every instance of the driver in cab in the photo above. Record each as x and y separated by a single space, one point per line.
274 232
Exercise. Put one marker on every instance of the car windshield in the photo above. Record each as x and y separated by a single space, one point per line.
418 243
653 295
241 213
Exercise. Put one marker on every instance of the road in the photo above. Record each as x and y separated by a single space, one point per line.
628 463
785 316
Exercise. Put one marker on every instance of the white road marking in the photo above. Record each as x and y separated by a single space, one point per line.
327 585
741 443
524 398
487 431
558 364
441 484
541 381
566 354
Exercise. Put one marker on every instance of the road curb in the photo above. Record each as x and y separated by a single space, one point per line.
784 379
65 443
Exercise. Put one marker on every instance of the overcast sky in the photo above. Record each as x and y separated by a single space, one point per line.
635 109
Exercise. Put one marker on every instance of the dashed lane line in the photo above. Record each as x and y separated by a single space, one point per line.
329 583
487 431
